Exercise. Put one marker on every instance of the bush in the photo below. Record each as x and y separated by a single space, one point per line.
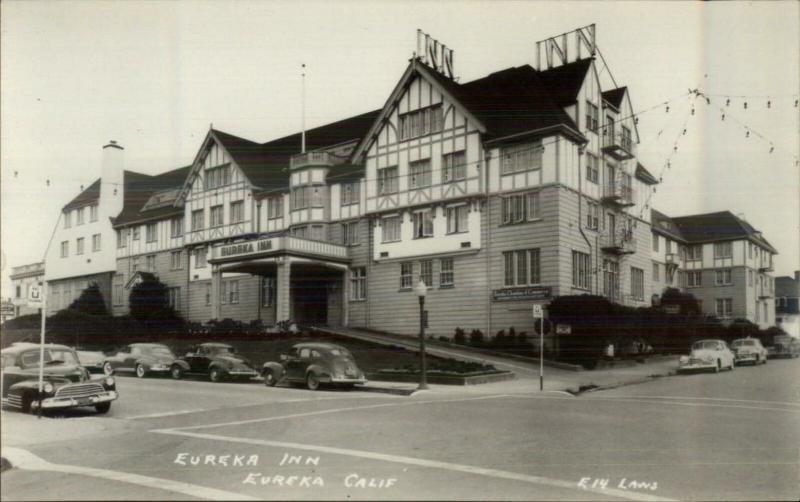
499 339
460 337
476 338
90 302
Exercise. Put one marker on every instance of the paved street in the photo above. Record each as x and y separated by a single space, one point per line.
729 436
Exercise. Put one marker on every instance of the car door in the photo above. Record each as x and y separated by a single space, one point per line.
200 360
296 368
129 361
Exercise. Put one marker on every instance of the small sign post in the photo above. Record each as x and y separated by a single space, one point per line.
538 313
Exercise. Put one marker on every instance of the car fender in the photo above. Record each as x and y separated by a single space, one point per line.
183 364
321 371
218 364
277 369
25 387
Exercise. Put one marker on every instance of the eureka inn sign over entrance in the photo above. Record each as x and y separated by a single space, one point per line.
288 244
245 248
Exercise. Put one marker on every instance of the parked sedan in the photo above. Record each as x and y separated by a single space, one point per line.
314 364
708 355
92 361
218 361
749 350
784 346
141 359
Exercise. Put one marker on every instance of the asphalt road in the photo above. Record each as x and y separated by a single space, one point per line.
727 436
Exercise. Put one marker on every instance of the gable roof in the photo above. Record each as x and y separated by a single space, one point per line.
139 188
644 175
564 82
786 286
614 96
90 195
663 224
719 226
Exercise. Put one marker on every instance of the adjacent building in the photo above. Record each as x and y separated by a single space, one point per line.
787 303
26 284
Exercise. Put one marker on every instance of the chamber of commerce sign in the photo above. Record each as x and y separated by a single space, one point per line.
244 248
522 293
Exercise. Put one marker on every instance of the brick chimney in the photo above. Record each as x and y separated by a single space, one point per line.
111 179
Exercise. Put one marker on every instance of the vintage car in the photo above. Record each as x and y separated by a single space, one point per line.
92 361
314 364
749 350
216 360
66 383
711 355
141 359
784 346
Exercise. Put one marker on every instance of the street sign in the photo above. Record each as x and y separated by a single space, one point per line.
34 295
538 311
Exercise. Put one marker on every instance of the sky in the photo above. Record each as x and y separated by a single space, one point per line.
155 75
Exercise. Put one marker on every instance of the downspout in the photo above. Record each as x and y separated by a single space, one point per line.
487 156
581 151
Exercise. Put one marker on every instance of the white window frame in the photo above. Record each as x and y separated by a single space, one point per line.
267 291
97 242
93 212
406 275
592 116
637 284
151 232
350 193
176 227
457 218
522 267
520 158
64 249
150 262
422 221
387 180
68 219
176 260
79 246
723 250
723 277
446 273
358 284
581 270
726 310
275 207
219 212
426 272
420 174
237 211
396 223
454 166
521 207
200 257
694 279
592 168
79 214
350 233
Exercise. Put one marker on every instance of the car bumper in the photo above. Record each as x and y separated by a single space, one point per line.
242 373
697 366
745 358
51 403
158 369
345 380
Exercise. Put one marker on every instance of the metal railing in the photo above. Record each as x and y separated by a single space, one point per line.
313 159
621 241
618 192
617 144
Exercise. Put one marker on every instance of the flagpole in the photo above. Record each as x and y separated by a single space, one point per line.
303 114
44 316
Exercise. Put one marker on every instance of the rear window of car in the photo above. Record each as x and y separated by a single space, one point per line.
744 343
63 355
340 352
161 351
706 345
31 358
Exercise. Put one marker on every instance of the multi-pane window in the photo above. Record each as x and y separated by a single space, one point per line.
627 141
592 116
317 196
317 233
176 227
301 232
135 232
656 273
523 157
723 277
237 211
96 243
694 252
217 216
390 229
446 275
724 307
457 218
199 257
176 260
387 180
723 250
79 245
655 242
581 270
521 267
521 207
421 122
150 262
208 293
611 280
174 298
300 197
592 168
426 272
198 219
454 166
406 275
229 291
93 212
358 283
64 249
217 177
134 264
79 213
150 232
68 222
420 173
694 279
637 283
118 295
350 233
423 224
267 291
350 193
592 216
275 207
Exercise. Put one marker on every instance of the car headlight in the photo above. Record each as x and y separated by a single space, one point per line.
684 360
109 381
48 388
708 359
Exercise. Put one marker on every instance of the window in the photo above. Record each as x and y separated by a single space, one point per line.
390 231
669 245
18 291
217 177
521 207
446 276
627 141
420 122
426 272
301 232
151 232
611 280
358 283
68 220
176 260
317 196
79 212
174 298
656 272
199 257
237 211
176 227
198 220
457 219
592 116
723 250
694 279
387 180
93 212
350 233
423 224
223 292
318 233
581 270
521 267
592 168
420 173
79 245
275 207
233 291
592 216
406 275
523 157
750 246
208 293
350 193
722 277
150 262
300 198
749 277
724 307
96 243
134 264
135 233
637 283
694 252
655 242
217 216
454 166
119 292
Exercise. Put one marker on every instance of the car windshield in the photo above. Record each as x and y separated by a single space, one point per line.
744 343
67 356
705 345
217 350
31 357
341 352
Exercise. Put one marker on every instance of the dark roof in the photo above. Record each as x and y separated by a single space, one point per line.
565 81
644 175
663 224
614 96
90 195
138 190
720 226
786 286
343 173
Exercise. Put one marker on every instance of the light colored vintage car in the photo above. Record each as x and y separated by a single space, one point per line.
711 355
314 364
141 359
749 350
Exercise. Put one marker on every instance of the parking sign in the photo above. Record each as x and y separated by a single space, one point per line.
538 312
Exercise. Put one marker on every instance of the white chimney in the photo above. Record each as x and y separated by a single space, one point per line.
111 179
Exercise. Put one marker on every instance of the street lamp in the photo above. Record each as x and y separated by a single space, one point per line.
421 289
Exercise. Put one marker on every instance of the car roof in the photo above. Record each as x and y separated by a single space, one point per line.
18 347
318 345
147 345
215 344
709 340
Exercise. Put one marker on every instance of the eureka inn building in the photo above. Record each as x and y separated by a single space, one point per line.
511 189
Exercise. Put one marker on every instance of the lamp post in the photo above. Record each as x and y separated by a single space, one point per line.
421 289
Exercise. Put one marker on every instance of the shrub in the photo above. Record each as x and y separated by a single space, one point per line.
476 338
150 300
90 302
444 339
460 337
499 339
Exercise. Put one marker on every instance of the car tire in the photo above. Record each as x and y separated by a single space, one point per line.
176 372
141 372
108 370
25 405
102 408
215 375
312 381
269 378
765 361
718 366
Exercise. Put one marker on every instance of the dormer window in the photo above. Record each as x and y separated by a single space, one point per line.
421 122
218 177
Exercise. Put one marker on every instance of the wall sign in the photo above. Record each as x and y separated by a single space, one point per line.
244 248
522 293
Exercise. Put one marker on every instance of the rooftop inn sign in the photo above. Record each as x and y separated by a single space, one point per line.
435 54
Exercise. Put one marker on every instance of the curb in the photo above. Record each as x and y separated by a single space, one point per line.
386 390
594 388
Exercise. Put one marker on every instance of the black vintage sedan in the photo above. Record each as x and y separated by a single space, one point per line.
66 383
141 359
314 364
218 361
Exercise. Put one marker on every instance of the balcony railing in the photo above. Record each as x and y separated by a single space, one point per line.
279 245
671 259
765 268
618 194
313 159
27 270
764 293
620 242
618 145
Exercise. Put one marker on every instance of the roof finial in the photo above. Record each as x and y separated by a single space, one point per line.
210 125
